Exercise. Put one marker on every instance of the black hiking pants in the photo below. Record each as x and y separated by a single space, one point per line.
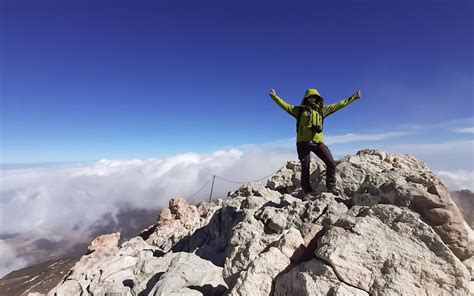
304 150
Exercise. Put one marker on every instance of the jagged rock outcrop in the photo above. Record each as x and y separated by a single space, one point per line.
138 268
385 250
373 176
402 236
314 277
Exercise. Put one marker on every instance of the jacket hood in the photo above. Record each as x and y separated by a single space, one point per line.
311 92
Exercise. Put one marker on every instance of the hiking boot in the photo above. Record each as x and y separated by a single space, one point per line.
307 197
334 190
304 195
347 202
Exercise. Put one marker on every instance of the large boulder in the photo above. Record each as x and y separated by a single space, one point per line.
314 278
386 250
402 180
188 274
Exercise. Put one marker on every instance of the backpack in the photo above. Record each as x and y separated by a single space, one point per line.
315 128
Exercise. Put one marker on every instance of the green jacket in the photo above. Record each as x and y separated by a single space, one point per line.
311 117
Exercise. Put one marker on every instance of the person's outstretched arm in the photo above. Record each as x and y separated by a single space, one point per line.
331 108
284 105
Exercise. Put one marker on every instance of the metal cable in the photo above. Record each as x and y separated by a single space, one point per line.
236 182
200 189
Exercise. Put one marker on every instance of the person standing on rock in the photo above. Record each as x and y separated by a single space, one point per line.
310 116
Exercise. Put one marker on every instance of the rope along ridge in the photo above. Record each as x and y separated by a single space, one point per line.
230 181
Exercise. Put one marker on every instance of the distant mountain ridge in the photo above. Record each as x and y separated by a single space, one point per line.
394 231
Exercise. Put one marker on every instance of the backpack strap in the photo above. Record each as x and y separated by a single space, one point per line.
298 117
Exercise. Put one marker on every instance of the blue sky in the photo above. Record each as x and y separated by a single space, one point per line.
87 80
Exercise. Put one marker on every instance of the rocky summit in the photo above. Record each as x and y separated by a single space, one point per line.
392 230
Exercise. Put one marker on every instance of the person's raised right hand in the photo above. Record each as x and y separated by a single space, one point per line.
272 92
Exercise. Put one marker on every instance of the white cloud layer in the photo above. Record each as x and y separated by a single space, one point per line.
469 130
9 260
351 137
440 146
457 180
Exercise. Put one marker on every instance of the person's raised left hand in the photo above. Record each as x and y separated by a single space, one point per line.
357 94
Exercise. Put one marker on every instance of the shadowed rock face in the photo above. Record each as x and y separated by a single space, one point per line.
400 234
210 241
